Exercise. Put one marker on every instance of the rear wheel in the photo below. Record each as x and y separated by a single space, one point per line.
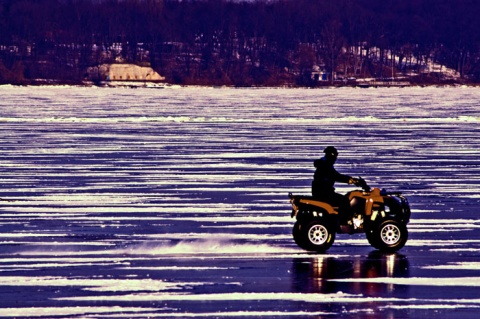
315 235
297 234
389 236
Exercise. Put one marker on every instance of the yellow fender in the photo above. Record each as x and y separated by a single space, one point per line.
371 198
312 202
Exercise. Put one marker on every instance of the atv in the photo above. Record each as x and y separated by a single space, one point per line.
383 216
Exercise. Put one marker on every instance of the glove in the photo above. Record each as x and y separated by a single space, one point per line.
354 181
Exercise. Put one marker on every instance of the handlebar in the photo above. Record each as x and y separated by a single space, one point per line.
363 184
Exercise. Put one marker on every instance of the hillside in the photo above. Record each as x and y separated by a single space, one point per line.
244 43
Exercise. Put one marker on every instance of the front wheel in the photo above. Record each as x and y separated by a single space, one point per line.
315 235
389 236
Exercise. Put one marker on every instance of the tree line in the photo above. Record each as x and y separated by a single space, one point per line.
241 42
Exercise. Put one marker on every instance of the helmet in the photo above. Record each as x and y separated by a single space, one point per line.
331 151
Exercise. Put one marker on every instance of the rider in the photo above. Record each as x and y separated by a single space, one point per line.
324 179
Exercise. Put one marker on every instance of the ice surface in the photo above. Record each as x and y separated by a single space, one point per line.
121 203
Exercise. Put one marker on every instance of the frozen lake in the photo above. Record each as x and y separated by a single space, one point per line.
162 203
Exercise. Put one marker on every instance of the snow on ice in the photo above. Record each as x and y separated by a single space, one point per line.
172 202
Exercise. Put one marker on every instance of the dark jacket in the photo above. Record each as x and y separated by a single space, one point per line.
325 176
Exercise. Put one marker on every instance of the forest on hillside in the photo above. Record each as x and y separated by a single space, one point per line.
243 43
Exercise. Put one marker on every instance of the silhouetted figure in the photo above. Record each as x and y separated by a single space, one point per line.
324 180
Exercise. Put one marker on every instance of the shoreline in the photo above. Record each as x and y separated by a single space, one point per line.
162 85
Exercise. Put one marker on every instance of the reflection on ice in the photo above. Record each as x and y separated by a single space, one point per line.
426 281
321 274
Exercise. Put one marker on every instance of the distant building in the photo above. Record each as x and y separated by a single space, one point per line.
123 72
319 73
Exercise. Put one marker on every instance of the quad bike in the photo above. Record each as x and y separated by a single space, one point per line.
383 216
